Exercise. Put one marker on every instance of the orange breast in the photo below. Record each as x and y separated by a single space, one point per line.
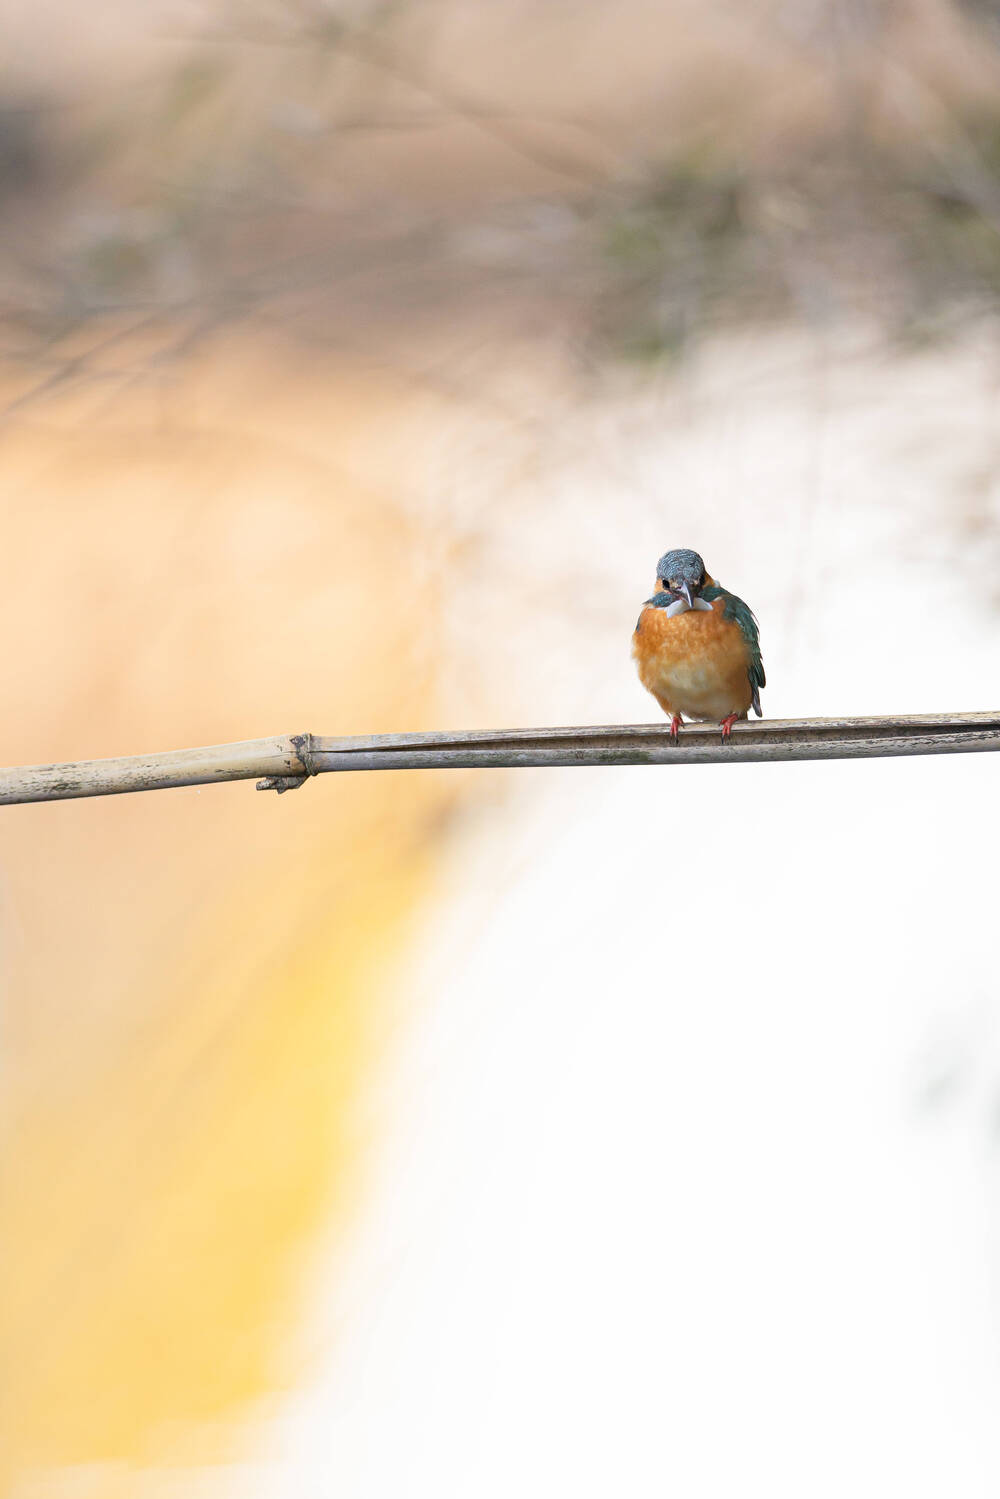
695 663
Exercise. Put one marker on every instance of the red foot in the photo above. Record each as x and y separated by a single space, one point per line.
675 724
727 726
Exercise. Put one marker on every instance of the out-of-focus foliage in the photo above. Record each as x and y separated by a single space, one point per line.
355 172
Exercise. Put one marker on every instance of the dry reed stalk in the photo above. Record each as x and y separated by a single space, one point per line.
285 762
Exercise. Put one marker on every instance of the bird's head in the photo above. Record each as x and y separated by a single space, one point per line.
680 577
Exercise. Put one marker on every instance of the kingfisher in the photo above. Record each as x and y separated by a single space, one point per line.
696 646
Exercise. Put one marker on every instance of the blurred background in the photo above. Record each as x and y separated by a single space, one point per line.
546 1131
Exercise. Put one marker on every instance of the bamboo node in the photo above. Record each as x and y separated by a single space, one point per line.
303 745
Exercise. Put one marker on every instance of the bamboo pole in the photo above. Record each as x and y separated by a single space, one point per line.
286 762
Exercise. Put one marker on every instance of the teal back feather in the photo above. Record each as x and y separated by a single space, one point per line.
736 610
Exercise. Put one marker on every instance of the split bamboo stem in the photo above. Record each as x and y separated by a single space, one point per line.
284 763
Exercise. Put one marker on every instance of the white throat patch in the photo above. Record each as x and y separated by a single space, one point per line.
681 606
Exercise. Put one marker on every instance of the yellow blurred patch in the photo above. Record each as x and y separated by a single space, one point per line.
193 979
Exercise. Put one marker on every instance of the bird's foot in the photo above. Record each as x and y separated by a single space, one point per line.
727 726
675 725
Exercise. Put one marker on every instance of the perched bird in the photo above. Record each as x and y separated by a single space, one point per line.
696 646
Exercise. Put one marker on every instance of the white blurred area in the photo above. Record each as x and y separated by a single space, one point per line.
687 1152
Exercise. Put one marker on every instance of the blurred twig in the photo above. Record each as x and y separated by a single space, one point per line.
285 762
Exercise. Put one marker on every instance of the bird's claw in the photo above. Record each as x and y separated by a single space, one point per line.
727 726
675 725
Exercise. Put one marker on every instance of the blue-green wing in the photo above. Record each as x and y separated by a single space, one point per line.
735 609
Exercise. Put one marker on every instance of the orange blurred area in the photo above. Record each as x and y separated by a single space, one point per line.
192 980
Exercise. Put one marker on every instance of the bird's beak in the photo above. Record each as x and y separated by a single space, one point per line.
686 591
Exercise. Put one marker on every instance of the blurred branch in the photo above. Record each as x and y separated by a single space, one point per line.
316 29
77 366
285 763
486 117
